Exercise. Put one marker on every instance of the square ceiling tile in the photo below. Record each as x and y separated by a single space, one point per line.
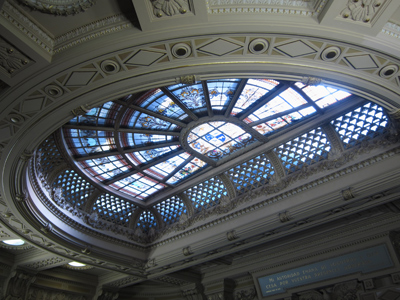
144 58
364 61
295 49
220 47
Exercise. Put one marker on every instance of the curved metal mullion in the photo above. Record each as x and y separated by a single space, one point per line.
148 131
276 163
264 99
123 151
206 95
235 97
156 115
88 127
337 147
134 217
230 187
179 103
90 201
189 205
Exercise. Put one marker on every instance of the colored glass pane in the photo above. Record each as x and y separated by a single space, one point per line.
254 90
217 139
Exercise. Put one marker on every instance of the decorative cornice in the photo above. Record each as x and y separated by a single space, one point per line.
90 31
392 30
70 39
288 7
26 26
45 263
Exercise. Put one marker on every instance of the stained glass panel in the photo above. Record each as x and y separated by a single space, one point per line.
192 167
218 139
137 185
167 167
254 90
106 167
221 93
192 96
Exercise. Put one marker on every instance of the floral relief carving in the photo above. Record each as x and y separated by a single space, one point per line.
361 10
11 60
66 7
169 7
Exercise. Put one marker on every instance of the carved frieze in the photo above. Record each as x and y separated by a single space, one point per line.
19 285
12 60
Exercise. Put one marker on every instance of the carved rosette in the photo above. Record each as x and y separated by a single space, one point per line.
169 7
362 11
64 7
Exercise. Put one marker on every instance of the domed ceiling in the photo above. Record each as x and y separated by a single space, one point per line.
130 156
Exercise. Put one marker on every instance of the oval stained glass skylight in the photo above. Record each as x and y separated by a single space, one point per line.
143 143
218 139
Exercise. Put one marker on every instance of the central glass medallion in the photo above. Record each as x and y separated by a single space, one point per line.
218 139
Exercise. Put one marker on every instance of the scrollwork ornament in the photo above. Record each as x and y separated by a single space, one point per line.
248 294
81 110
311 80
188 79
65 7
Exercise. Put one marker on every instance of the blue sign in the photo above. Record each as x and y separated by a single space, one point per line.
364 261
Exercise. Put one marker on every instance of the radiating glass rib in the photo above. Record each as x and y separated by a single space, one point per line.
235 97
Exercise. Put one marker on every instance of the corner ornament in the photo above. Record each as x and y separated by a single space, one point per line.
169 7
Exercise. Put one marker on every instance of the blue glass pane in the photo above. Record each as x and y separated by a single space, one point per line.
89 141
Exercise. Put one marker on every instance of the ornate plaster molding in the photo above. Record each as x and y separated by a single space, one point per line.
45 263
63 7
50 45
